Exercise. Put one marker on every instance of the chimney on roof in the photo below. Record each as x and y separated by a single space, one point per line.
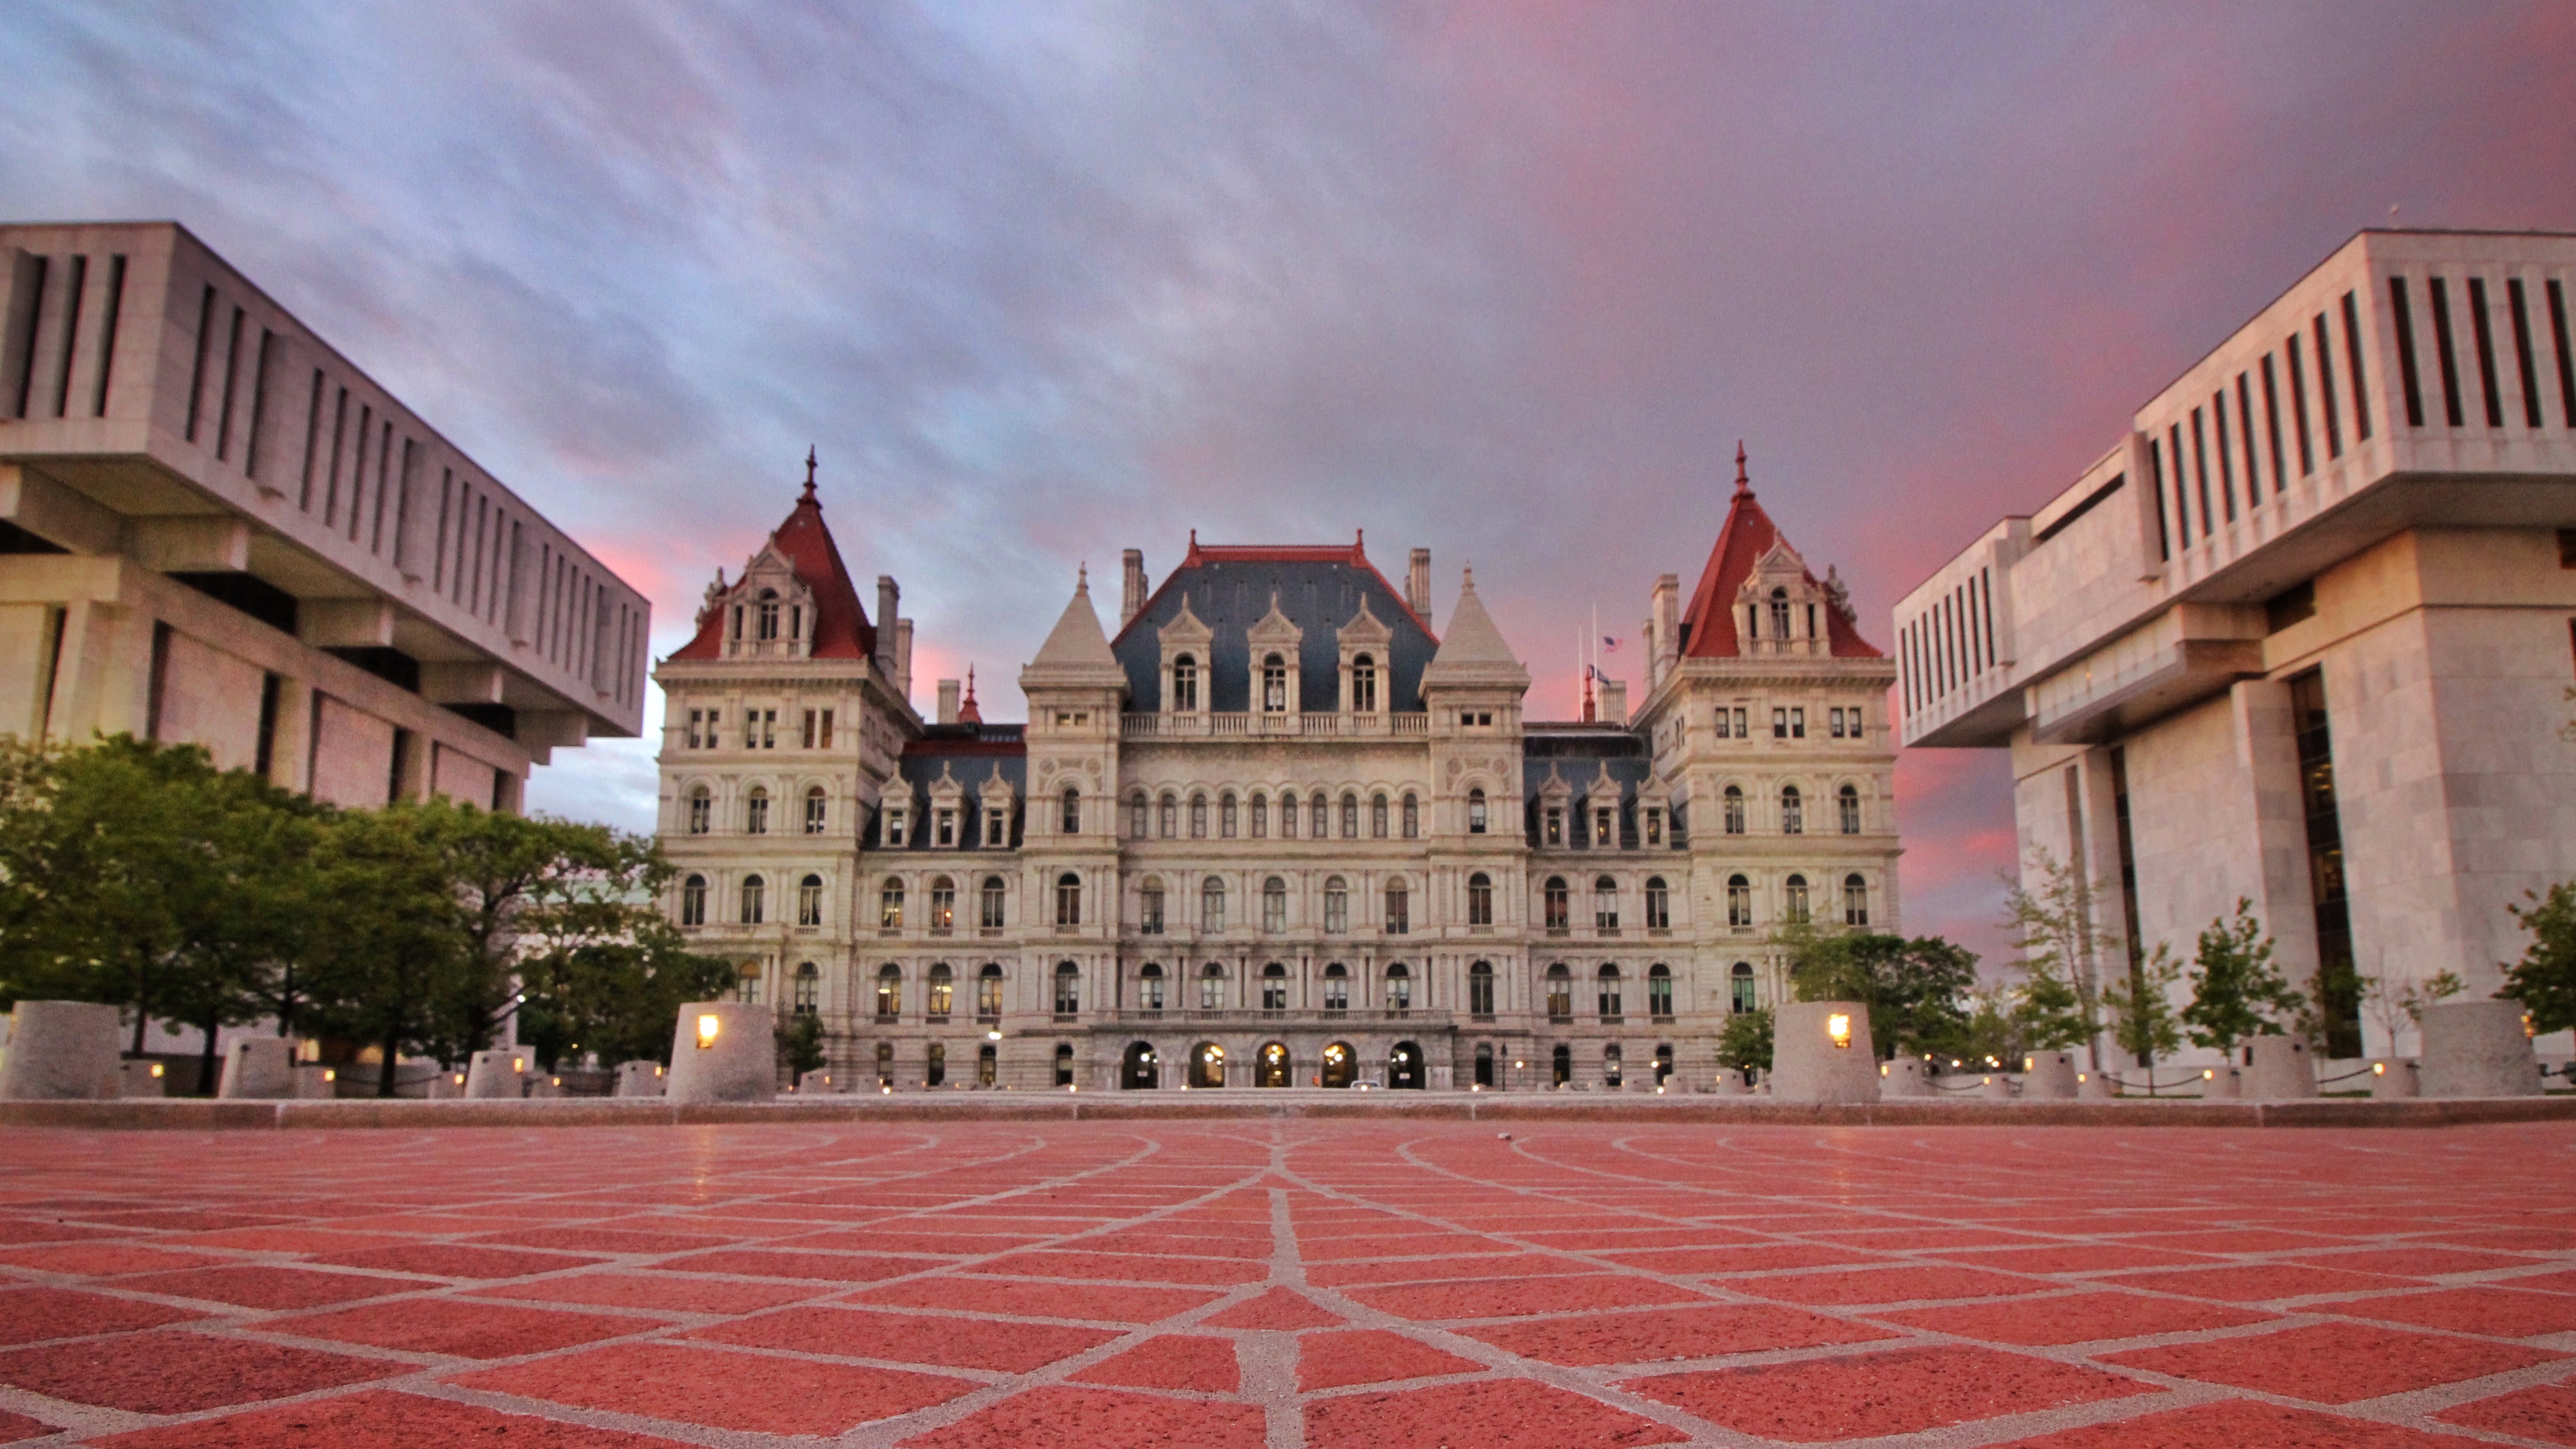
1614 701
1131 592
889 599
903 660
1663 630
1417 585
948 701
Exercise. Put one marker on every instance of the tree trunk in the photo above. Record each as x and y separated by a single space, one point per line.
206 1066
385 1077
142 1019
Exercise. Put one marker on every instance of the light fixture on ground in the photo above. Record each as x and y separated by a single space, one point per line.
733 1056
1820 1052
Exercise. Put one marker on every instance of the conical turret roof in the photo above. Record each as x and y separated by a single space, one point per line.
1474 652
1076 652
1748 535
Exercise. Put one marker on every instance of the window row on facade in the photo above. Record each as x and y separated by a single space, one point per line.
758 727
760 812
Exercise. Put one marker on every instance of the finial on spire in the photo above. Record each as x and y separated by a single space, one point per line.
969 712
809 473
1082 577
1743 484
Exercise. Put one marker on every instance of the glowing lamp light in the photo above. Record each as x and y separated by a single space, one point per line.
2379 1069
2209 1076
460 1079
1882 1069
1659 1089
1838 1026
2082 1078
710 1026
328 1074
2526 1026
2030 1064
156 1069
884 1091
994 1035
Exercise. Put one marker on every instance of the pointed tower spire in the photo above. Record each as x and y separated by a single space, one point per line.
1474 652
1743 484
1076 652
968 713
808 496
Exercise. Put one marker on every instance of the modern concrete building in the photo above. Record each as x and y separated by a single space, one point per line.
2303 634
215 529
1272 830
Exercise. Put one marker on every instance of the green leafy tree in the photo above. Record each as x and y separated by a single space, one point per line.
2236 991
1917 990
1744 1043
2544 980
2054 933
2143 1020
395 955
2049 1012
800 1044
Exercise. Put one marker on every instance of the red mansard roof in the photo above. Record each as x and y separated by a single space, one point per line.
1747 535
841 627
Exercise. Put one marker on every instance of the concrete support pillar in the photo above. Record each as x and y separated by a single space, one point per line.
61 1051
2049 1076
290 751
1820 1052
259 1068
2477 1049
2279 1069
639 1079
499 1073
723 1051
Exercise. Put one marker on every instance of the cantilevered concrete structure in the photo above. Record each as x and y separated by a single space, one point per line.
216 529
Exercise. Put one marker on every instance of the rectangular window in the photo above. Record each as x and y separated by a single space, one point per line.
1742 732
696 719
196 374
827 731
2299 407
1798 724
2410 381
2566 358
2182 497
1779 724
947 829
2338 982
809 729
2446 353
2245 422
2522 355
2200 473
107 331
232 374
2156 471
2325 390
2482 330
1555 826
2360 376
2226 465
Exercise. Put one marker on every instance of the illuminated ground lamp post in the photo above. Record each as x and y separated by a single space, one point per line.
723 1051
1820 1052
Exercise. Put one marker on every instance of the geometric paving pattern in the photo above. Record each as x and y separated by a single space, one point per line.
1333 1283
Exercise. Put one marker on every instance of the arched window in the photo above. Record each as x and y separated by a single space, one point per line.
809 988
1337 987
936 1072
768 615
1793 811
996 900
1212 987
1198 817
1484 1064
755 812
1226 816
746 984
1274 684
701 810
1480 899
1559 905
1287 816
1171 815
1274 905
885 1064
1064 1064
1605 903
1149 913
1068 988
818 810
693 901
1140 816
1319 813
1068 899
1149 987
889 991
1399 907
1734 810
1412 817
1072 817
1337 905
1663 1062
1274 987
1260 817
1607 982
1185 684
1779 613
1399 987
1612 1063
942 992
1847 806
1560 993
1377 817
890 904
1740 989
809 901
1363 685
1739 901
1659 904
1350 816
1480 990
1659 992
1212 906
986 1064
1561 1065
1475 812
1795 891
754 904
988 992
1855 901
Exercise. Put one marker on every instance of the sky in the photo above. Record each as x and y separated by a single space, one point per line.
1040 283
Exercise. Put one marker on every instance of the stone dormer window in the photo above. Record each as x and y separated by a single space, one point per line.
947 811
1273 643
1363 645
995 797
770 613
1782 610
1185 644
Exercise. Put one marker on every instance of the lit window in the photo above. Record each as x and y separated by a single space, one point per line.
942 992
1560 993
889 994
988 993
890 905
943 905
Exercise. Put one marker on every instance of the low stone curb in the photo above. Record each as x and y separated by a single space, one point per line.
201 1114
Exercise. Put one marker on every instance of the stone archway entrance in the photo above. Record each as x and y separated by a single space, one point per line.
1404 1066
1138 1070
1272 1068
1341 1064
1207 1065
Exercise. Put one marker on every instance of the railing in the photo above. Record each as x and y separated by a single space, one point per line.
1310 725
1257 1015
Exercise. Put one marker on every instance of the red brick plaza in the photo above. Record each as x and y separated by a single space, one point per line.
1327 1283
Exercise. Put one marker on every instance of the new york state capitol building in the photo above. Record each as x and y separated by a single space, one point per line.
1274 830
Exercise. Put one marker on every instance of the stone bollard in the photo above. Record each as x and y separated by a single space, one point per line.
447 1087
315 1082
2048 1076
545 1085
2279 1069
498 1073
1903 1077
259 1068
2394 1080
2477 1049
1820 1052
144 1079
818 1083
1995 1085
61 1051
723 1051
2093 1087
639 1079
2221 1084
1730 1083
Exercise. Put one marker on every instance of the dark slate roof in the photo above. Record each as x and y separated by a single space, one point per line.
1229 590
969 753
1576 753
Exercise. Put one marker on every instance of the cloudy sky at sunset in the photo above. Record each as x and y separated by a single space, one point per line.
1042 283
